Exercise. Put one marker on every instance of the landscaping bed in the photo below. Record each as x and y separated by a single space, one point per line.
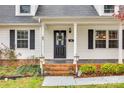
13 72
96 70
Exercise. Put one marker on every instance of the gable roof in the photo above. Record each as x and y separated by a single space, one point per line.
7 15
7 12
66 10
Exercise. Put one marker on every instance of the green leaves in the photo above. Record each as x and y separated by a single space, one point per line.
120 69
29 70
88 69
108 68
103 69
112 68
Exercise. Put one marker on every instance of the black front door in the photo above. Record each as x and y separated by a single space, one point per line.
59 44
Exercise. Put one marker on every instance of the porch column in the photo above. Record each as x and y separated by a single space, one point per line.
42 43
120 56
75 44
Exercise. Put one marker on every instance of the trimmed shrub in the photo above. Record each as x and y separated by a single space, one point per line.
120 69
29 70
108 68
87 69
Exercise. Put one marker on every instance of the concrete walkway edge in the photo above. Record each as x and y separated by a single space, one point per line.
71 81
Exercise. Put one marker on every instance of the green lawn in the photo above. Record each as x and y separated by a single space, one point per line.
35 82
29 82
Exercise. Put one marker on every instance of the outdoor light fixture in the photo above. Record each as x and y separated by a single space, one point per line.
70 30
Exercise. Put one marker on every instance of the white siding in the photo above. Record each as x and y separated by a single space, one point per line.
85 53
82 35
83 50
26 53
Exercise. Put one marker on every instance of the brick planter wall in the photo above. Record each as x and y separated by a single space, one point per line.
19 62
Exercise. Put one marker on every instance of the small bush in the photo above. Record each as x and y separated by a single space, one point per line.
7 53
108 68
29 70
120 69
88 69
101 69
11 55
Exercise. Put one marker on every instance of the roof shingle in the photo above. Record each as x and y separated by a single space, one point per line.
7 12
66 10
7 15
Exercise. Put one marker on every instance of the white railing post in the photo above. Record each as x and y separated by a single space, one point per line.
42 61
75 43
42 39
120 55
76 57
42 58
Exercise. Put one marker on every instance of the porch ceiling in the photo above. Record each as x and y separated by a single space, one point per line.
81 21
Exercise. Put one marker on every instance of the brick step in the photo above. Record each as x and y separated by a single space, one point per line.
59 73
58 65
59 69
48 68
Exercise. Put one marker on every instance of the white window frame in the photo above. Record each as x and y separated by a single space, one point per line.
26 39
112 39
32 11
99 39
107 38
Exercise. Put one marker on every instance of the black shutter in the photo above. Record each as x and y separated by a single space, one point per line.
12 39
123 39
32 39
90 38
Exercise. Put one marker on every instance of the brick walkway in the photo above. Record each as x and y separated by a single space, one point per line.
70 81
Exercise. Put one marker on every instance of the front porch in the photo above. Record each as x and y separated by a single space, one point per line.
77 40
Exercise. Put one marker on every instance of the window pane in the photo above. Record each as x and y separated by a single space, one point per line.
101 35
113 43
22 34
108 8
113 35
100 43
22 43
24 8
108 11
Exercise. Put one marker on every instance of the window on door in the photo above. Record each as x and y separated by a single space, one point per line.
22 39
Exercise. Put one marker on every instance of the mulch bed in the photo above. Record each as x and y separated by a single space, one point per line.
97 75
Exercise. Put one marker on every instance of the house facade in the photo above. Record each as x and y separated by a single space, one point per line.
62 31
